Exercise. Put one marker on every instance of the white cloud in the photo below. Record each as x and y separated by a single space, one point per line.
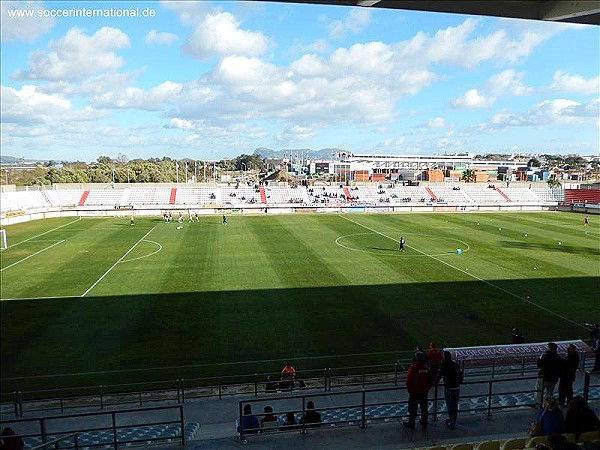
27 103
354 22
155 37
77 55
507 84
317 46
437 122
575 83
309 66
548 112
190 13
472 99
39 119
28 29
459 46
363 58
132 97
220 35
295 134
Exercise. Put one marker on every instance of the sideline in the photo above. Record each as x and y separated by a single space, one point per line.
45 232
33 254
512 294
119 260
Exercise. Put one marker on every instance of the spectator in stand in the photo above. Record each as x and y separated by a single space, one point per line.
289 423
452 375
418 383
249 423
550 365
268 420
434 356
551 417
517 336
580 417
10 440
311 418
567 377
559 442
595 335
288 373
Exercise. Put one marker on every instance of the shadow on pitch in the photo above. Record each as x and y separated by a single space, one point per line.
552 247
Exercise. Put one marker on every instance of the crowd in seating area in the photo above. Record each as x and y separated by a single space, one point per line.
552 428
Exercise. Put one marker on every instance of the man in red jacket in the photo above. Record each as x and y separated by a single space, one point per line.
418 383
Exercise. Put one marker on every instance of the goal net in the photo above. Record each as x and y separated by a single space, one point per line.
3 244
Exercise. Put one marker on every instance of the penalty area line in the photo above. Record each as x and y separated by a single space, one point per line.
118 261
30 256
512 294
46 232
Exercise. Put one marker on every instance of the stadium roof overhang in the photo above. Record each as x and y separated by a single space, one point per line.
583 11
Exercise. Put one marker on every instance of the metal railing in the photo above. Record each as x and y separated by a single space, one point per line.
180 390
476 396
117 425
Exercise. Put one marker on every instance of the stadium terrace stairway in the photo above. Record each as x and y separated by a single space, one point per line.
347 194
83 198
502 194
433 196
173 196
263 195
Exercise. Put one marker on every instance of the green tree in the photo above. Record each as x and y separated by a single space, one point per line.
468 176
554 182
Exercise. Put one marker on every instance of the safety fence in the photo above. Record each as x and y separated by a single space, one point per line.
370 406
101 397
105 429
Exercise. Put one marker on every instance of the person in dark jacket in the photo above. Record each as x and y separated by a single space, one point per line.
580 417
311 418
418 383
452 375
10 440
550 365
567 377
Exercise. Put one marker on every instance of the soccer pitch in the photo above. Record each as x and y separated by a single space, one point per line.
96 300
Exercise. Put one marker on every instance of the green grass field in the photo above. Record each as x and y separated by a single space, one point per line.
97 301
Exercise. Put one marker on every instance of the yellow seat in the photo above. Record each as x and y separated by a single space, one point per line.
514 444
589 436
537 440
488 445
462 447
569 437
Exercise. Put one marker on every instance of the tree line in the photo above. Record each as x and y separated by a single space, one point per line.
122 170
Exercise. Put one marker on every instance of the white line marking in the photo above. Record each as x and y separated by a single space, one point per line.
473 276
395 253
148 255
33 254
38 298
190 366
120 259
45 232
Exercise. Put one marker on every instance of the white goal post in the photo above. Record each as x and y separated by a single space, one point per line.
3 244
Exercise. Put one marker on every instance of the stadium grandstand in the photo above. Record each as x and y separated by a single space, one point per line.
277 197
77 397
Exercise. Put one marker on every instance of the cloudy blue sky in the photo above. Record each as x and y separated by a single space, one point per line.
209 80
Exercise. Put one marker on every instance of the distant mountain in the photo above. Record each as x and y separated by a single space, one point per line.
13 160
324 153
